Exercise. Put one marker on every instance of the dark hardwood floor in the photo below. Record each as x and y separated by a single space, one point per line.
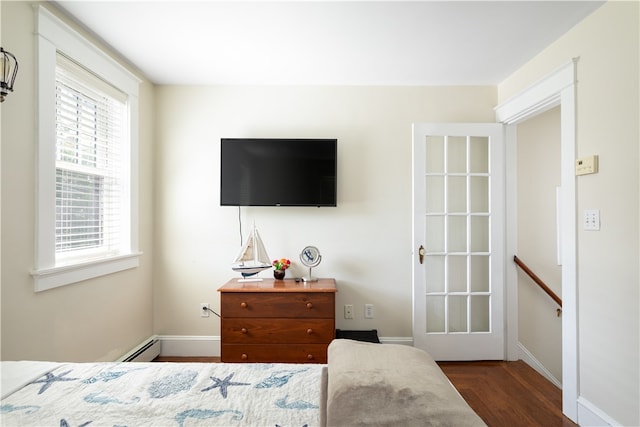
502 393
508 393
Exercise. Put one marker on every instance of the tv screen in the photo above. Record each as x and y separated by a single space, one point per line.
278 172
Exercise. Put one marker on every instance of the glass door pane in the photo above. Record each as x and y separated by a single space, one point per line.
457 225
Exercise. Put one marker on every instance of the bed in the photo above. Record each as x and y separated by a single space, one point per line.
362 384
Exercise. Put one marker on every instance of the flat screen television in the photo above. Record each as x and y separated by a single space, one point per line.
278 172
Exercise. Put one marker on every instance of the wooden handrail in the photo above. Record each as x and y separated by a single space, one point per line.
536 279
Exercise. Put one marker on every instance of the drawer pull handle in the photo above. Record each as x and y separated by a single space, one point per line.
243 305
309 356
244 330
309 331
244 356
309 305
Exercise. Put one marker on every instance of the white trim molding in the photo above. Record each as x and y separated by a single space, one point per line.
397 340
528 358
53 37
590 415
558 88
541 96
49 278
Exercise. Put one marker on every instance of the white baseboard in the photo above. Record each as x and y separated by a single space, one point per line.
589 415
189 346
531 360
397 340
209 346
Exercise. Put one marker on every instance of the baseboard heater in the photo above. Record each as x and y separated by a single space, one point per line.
144 352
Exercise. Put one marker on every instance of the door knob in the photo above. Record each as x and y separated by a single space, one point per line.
421 254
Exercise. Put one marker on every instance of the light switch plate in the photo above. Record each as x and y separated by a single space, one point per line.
368 311
591 220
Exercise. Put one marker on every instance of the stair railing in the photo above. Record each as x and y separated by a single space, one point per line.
540 283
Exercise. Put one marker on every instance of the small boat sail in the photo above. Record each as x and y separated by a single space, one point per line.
252 258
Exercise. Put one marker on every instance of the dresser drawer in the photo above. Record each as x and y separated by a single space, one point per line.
283 305
265 353
277 331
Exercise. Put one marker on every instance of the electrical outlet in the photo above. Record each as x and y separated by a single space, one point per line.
348 311
368 311
204 309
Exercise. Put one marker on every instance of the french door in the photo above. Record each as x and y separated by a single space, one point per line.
458 222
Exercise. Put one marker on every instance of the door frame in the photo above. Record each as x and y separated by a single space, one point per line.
556 89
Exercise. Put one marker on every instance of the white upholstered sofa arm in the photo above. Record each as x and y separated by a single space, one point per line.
390 385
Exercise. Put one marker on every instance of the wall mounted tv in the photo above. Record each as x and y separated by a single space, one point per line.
278 172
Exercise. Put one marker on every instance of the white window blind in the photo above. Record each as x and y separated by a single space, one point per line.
90 175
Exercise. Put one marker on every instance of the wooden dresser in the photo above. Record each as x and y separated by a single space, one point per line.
277 320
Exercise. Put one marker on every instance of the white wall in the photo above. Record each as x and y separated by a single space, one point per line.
365 242
607 43
95 320
539 329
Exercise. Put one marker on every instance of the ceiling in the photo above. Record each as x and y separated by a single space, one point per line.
328 42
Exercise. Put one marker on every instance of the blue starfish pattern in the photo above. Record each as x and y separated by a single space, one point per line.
49 379
223 384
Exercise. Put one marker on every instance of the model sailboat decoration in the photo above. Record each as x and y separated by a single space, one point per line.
252 259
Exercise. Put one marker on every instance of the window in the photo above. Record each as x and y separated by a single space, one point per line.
87 168
90 141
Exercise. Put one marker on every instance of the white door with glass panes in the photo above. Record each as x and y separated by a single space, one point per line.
458 220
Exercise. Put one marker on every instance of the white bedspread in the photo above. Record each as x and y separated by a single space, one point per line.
15 375
168 394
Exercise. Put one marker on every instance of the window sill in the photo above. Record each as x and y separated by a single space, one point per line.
49 278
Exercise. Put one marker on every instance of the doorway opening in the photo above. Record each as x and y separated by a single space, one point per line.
538 183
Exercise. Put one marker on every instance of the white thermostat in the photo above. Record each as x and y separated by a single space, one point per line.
587 165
